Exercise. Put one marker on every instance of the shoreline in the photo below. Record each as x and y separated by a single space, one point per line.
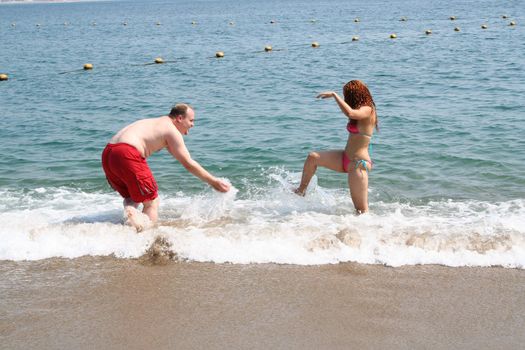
117 303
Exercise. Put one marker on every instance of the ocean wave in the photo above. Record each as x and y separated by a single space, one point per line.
268 225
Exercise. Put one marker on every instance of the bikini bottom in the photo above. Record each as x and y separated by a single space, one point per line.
359 163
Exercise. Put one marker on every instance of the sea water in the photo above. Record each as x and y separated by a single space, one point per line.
448 185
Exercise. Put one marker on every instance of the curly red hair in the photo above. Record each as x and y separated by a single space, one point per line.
357 95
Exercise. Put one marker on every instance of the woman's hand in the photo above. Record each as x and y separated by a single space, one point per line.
326 94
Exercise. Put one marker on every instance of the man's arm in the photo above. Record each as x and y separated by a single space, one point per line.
178 149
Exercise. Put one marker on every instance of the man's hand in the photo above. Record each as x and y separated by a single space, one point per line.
221 186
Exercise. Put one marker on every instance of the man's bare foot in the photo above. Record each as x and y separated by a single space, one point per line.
136 219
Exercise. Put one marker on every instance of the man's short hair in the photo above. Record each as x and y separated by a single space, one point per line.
179 109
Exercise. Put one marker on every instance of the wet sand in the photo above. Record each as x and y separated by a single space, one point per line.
106 303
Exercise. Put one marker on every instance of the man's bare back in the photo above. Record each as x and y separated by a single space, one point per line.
147 135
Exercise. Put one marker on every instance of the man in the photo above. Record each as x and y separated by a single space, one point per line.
128 173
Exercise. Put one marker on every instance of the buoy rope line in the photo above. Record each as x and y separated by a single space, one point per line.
266 49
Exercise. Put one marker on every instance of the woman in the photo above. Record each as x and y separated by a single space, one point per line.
359 107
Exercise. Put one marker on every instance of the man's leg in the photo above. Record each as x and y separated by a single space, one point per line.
138 220
151 209
128 202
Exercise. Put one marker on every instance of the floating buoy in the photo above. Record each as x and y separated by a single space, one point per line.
393 36
452 18
88 66
38 24
268 48
219 54
159 60
232 23
313 20
512 23
403 19
355 38
504 16
158 23
356 20
4 77
272 21
456 29
315 44
484 26
124 23
13 24
193 23
428 32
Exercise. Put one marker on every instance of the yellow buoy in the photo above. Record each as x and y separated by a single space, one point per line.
88 66
393 36
219 54
428 32
315 44
268 48
452 18
4 77
484 26
512 23
355 38
159 60
356 20
456 29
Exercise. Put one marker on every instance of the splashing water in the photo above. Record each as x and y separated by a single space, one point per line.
271 225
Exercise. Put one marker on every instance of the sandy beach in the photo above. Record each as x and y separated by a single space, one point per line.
106 303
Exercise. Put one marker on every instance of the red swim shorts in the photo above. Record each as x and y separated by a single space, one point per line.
128 173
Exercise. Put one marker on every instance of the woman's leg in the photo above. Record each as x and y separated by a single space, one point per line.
358 183
332 160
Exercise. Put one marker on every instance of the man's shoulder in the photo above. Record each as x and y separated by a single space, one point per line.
168 129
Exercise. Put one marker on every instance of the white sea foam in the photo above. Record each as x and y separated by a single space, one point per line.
274 225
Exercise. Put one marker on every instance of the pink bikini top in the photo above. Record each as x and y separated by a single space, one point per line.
354 130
